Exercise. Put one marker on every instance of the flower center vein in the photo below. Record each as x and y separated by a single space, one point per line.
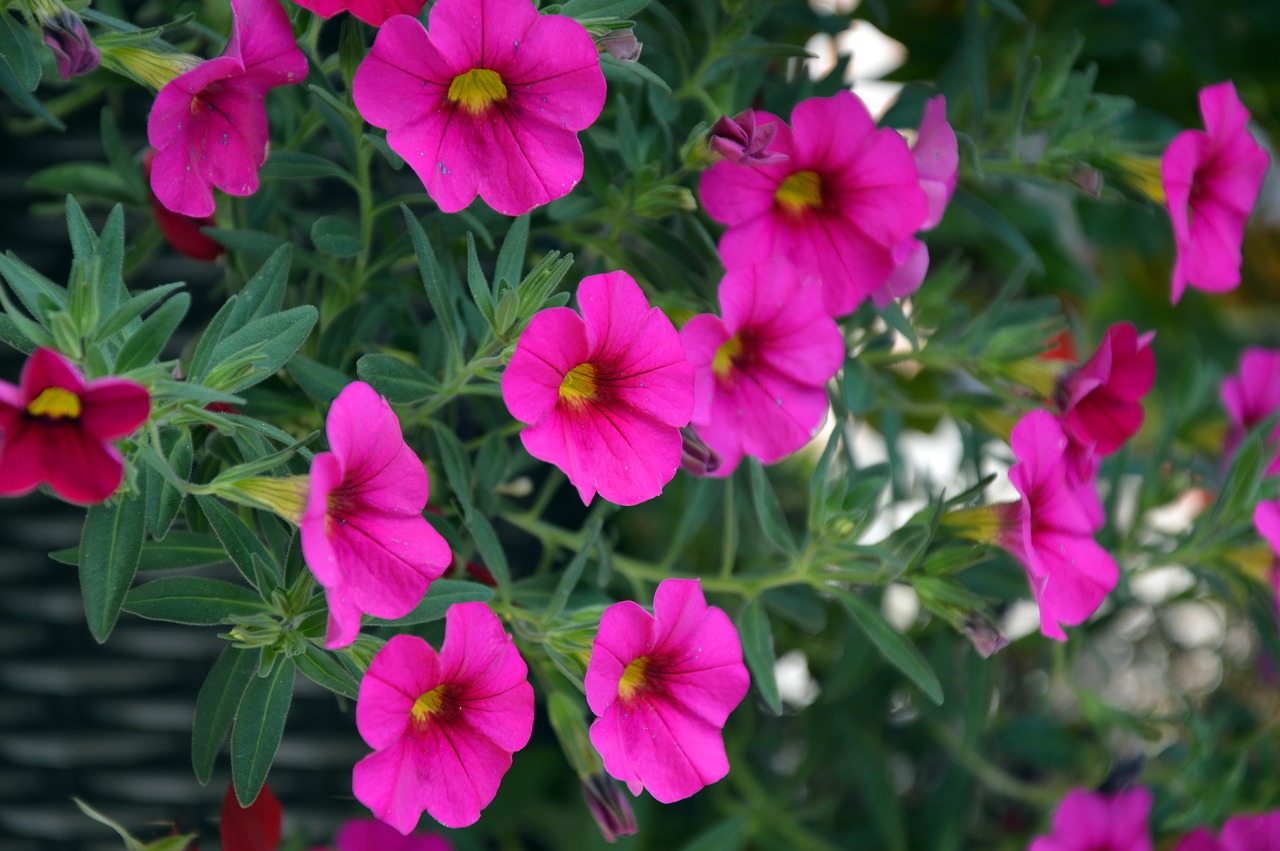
579 384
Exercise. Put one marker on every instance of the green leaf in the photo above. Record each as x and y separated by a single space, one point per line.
295 165
442 594
263 295
109 551
83 179
253 353
11 334
216 706
251 242
511 255
238 539
17 53
139 304
489 548
402 383
573 572
258 727
457 464
213 334
146 344
322 668
180 550
38 294
320 382
757 651
11 86
163 498
192 600
630 72
437 289
336 236
602 8
768 512
476 281
896 648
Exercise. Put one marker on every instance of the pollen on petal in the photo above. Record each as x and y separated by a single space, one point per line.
477 89
55 403
799 192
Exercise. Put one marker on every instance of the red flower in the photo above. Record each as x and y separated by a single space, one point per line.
182 232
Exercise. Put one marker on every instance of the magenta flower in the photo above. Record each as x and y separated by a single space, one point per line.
488 103
373 12
1102 400
1092 821
1253 832
848 195
605 393
1266 519
209 125
372 835
1211 180
663 686
1252 395
443 727
363 533
55 428
1049 530
760 373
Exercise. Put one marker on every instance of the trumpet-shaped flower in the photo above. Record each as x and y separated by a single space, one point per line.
847 195
373 12
487 101
55 428
760 373
442 726
605 393
1102 400
363 533
209 125
663 686
1211 180
1251 832
1252 395
1092 821
1050 531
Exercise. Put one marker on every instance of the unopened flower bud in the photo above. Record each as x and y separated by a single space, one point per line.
610 807
739 140
152 68
987 640
621 45
696 457
64 33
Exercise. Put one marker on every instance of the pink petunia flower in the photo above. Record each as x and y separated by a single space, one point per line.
760 373
1252 395
489 102
56 428
1092 821
1266 519
373 835
1049 530
209 125
1211 180
363 533
605 393
663 686
1101 401
443 727
846 197
936 154
373 12
1250 832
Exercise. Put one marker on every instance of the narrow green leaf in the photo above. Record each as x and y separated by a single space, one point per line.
217 328
757 651
457 464
489 548
216 706
139 304
896 648
258 727
146 344
192 600
11 334
442 594
573 572
320 382
238 539
18 53
477 282
36 292
402 383
253 353
511 255
321 668
263 294
768 512
296 165
433 280
602 8
630 71
163 497
336 236
109 550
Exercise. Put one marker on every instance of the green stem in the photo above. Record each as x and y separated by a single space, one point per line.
989 774
729 543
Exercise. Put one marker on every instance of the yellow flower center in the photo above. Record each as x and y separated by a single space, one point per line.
799 192
56 404
477 89
579 385
633 678
428 704
726 356
1144 175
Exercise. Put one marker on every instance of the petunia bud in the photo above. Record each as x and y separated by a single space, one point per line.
151 68
987 640
610 807
739 140
621 45
64 33
696 458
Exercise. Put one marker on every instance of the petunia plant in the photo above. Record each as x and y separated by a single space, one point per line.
637 432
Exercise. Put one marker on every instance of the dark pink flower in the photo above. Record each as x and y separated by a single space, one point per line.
56 428
1252 832
1049 530
663 686
363 533
760 373
1252 395
1102 400
846 197
605 393
209 125
256 827
741 140
489 102
182 232
1211 180
373 12
1092 821
1266 519
443 727
372 835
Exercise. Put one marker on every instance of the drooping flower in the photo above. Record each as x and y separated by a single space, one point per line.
56 428
846 197
1252 395
209 125
1049 530
256 827
1092 821
363 533
936 154
1248 832
487 101
1211 180
442 726
621 44
609 807
662 686
605 393
373 835
1101 401
182 232
373 12
760 373
741 140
